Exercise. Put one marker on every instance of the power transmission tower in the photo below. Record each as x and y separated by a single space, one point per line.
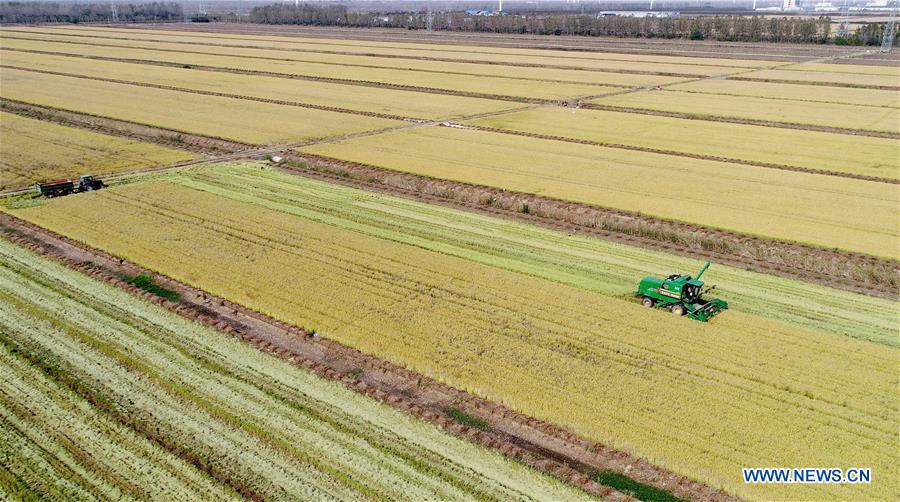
887 40
115 12
429 20
842 27
201 10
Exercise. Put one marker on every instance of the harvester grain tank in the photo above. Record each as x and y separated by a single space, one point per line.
86 183
680 295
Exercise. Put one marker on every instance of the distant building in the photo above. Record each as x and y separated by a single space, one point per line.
636 13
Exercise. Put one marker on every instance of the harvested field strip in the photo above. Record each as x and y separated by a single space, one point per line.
32 151
235 119
320 95
793 92
583 262
816 151
838 116
521 71
461 84
153 373
61 446
827 211
887 82
586 60
750 384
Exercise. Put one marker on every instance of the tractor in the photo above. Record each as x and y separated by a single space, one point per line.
680 295
86 183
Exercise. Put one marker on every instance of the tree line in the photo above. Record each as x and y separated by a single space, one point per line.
720 28
53 12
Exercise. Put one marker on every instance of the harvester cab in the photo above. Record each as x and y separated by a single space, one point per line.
680 295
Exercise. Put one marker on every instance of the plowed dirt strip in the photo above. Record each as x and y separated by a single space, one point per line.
457 84
528 342
873 159
235 119
162 50
853 215
182 384
592 61
368 101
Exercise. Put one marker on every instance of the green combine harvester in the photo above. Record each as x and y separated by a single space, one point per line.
680 295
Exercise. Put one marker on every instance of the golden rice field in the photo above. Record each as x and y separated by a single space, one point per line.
809 149
455 82
233 119
843 68
290 62
594 61
827 211
827 77
106 396
750 107
797 92
102 391
353 97
701 399
32 151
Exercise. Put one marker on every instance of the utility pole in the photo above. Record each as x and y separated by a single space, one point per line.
842 27
887 40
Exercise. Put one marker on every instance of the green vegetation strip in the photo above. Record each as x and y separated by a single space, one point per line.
105 396
631 487
461 417
584 262
146 283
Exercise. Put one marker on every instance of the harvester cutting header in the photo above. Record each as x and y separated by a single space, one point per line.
680 295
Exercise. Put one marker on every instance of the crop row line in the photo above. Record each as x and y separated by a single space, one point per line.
549 448
394 56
